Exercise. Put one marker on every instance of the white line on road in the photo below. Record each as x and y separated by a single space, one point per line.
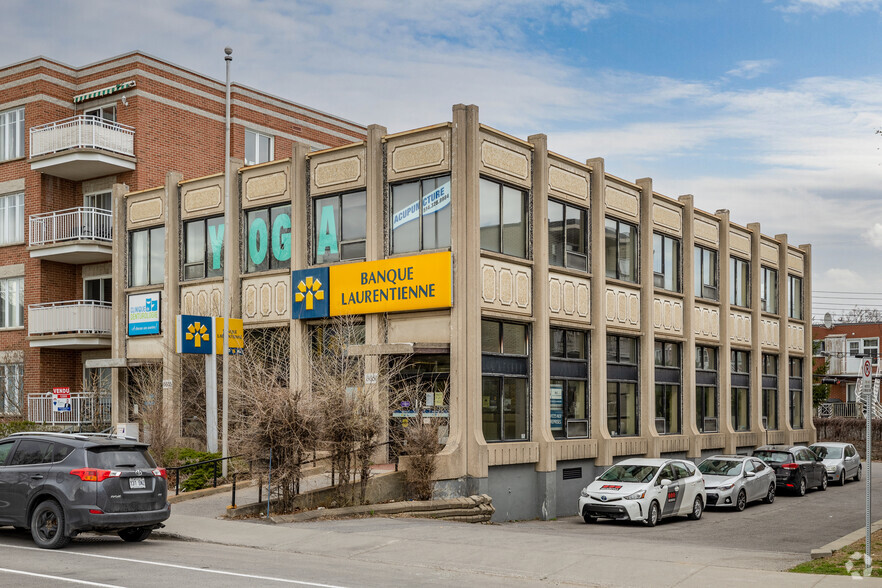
177 566
60 578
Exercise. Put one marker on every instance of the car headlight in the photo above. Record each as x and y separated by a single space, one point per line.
726 486
585 492
636 495
831 468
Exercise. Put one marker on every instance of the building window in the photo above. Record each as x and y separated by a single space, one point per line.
12 133
269 238
11 302
204 248
503 219
340 231
99 200
258 147
98 289
147 256
568 231
11 388
621 386
740 390
12 218
739 282
666 262
106 113
569 383
621 250
770 391
769 290
795 389
421 215
706 398
794 300
706 274
505 398
667 387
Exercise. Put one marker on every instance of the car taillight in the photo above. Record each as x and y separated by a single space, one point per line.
96 511
790 466
94 475
160 472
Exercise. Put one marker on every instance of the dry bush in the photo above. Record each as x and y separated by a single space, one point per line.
419 439
144 388
850 430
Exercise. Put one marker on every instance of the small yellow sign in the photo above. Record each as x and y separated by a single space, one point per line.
236 336
416 282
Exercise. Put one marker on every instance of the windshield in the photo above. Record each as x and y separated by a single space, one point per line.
827 452
773 456
120 457
629 473
720 467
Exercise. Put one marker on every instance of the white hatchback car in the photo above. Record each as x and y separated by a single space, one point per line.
645 489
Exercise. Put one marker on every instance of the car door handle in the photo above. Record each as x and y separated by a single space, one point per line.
37 477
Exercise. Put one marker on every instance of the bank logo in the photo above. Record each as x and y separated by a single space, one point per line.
311 293
197 332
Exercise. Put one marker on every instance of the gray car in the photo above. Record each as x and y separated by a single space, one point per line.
735 480
841 460
59 485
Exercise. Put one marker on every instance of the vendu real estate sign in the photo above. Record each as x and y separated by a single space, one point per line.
417 282
144 314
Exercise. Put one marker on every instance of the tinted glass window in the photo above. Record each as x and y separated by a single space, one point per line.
774 456
667 473
31 451
760 466
5 448
60 451
119 457
681 471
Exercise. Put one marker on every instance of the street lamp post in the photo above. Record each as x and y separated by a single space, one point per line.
228 248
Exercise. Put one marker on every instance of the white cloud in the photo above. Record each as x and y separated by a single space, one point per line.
751 68
822 6
874 235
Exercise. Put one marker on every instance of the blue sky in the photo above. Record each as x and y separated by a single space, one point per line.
768 108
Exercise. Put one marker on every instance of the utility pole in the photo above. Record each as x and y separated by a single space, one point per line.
228 251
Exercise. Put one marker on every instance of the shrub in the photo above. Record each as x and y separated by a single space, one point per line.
9 427
193 478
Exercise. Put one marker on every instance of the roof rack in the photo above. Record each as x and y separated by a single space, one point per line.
81 436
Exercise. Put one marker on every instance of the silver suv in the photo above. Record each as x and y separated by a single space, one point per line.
59 485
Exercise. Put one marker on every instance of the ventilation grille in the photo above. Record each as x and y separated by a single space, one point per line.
572 473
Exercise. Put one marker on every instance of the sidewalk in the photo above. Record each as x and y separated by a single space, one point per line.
531 550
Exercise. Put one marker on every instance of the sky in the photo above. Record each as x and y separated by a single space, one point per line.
768 108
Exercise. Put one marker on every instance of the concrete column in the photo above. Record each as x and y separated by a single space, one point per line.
171 361
119 407
687 373
539 358
808 423
646 361
299 367
783 343
597 387
725 353
756 346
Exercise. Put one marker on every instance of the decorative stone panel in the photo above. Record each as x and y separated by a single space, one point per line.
707 231
739 242
266 298
795 338
429 153
739 327
769 333
622 307
421 153
623 199
204 299
512 453
569 182
338 171
505 158
146 210
202 201
506 286
706 321
668 217
795 261
667 315
569 297
769 253
258 188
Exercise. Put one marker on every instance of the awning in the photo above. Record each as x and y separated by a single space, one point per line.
104 91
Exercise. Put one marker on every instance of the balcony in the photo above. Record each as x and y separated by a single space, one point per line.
82 147
75 235
73 324
85 409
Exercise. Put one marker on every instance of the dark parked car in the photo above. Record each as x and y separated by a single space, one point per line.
59 485
797 468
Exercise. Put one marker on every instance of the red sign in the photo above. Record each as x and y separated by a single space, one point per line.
61 392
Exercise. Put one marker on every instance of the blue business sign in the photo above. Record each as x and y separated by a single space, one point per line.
144 314
195 334
311 298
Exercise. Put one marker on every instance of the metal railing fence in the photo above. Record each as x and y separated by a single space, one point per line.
71 224
70 316
82 132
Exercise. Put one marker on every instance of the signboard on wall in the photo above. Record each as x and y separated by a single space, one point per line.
144 314
61 399
557 407
236 338
195 334
417 282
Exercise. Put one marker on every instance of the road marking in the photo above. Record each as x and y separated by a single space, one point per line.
176 566
61 578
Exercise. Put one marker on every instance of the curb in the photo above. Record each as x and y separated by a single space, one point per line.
827 550
478 506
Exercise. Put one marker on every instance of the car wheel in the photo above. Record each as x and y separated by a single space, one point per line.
697 509
770 495
800 490
47 525
653 515
857 476
842 478
823 485
741 501
137 534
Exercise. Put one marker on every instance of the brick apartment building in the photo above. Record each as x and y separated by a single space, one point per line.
67 134
841 347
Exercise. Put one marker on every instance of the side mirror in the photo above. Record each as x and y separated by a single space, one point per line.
749 474
597 478
665 482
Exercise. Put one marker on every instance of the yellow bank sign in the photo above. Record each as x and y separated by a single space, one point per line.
417 282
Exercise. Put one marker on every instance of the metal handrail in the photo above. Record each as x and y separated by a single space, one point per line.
214 461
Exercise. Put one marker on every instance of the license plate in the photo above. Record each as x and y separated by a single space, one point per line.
136 482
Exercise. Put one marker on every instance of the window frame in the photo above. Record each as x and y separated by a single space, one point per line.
342 243
702 256
269 260
739 294
768 299
12 218
585 221
207 252
105 287
703 365
256 140
445 211
504 373
148 255
500 210
14 371
581 363
12 305
633 276
12 134
625 373
796 311
662 266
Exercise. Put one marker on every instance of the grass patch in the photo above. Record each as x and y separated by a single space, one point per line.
837 564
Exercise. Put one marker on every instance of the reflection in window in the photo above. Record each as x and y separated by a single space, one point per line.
621 250
666 262
503 219
568 232
706 275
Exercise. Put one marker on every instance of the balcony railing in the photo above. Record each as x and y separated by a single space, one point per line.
85 409
70 317
72 224
82 132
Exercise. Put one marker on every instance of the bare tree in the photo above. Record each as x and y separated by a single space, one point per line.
144 388
861 315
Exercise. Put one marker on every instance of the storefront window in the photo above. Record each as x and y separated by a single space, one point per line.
505 399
